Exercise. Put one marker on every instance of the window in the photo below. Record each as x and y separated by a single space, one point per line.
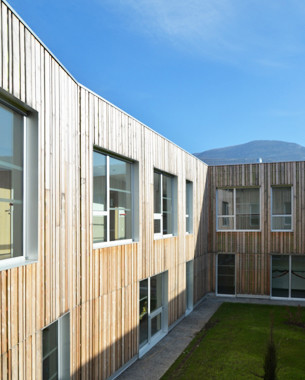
189 291
113 193
18 186
189 207
281 218
238 209
152 311
225 274
164 204
56 349
288 276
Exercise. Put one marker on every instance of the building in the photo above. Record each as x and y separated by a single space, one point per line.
108 230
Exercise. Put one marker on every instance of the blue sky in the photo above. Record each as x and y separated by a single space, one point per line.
203 73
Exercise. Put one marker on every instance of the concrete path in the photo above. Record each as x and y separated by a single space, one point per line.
157 361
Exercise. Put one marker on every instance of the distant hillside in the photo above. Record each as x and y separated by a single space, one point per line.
268 151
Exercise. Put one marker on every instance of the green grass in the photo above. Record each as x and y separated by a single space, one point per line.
233 345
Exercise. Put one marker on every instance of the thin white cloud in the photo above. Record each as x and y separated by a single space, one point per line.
237 30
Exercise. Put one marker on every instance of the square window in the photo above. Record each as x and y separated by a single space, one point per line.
238 209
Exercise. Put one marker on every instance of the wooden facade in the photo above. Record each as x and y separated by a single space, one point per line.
253 249
98 287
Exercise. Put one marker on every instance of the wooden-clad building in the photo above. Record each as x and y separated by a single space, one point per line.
110 233
103 240
257 229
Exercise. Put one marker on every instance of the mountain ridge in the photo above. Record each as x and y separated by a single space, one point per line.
254 151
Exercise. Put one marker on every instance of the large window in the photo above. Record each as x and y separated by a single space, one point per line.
113 215
288 276
18 187
238 209
164 204
56 349
189 207
152 311
281 218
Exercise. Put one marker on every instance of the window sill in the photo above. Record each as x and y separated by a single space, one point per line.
113 243
159 237
239 230
15 262
281 230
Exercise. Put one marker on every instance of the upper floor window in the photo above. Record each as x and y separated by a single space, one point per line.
281 208
238 209
164 204
189 207
112 198
18 187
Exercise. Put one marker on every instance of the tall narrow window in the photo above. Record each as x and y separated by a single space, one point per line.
189 207
238 209
281 218
18 186
56 349
112 198
164 204
226 274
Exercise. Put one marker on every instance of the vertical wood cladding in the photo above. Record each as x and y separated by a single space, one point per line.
98 287
253 249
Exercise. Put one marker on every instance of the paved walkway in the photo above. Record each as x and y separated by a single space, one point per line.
156 362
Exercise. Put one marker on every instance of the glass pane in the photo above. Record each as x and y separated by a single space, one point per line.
187 223
281 201
157 193
225 202
99 182
99 228
49 338
280 276
167 205
120 200
226 274
247 209
155 324
50 366
281 222
155 292
297 277
157 226
11 183
225 223
143 311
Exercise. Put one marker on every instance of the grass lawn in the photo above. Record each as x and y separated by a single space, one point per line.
233 344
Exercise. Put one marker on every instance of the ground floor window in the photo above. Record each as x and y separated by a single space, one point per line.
189 285
225 278
56 349
153 319
288 276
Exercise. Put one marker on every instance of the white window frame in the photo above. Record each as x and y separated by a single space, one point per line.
159 216
134 196
163 311
189 203
278 215
30 182
234 210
